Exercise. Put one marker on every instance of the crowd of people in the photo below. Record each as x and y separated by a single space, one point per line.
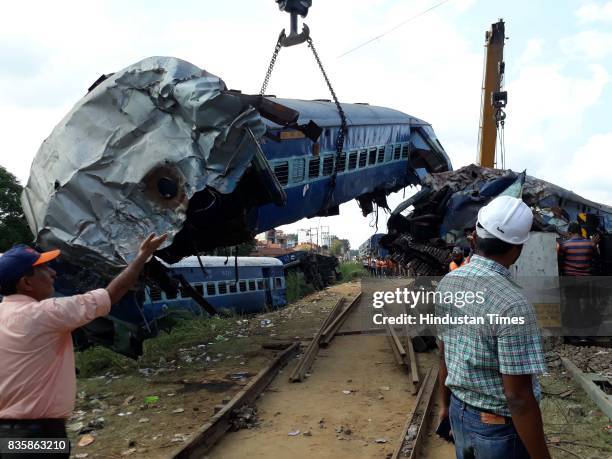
382 267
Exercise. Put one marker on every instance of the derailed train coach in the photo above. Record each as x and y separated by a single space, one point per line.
162 146
442 214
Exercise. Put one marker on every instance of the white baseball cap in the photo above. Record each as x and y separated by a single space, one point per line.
506 218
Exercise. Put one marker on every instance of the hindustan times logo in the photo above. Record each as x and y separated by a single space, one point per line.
413 297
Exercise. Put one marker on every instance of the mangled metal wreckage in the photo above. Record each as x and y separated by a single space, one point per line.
442 214
162 146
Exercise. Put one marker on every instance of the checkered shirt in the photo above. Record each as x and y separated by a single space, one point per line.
477 355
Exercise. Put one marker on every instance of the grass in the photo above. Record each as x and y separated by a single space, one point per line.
350 271
98 360
185 333
297 287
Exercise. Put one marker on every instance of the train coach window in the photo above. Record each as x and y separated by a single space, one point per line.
328 165
352 161
233 287
363 158
222 288
252 285
260 284
405 150
171 295
281 170
278 282
184 292
341 164
211 289
381 155
199 288
314 166
155 294
372 157
298 168
243 286
397 152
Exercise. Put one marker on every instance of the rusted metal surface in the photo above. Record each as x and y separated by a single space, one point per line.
220 423
587 382
330 331
299 372
404 356
415 429
414 368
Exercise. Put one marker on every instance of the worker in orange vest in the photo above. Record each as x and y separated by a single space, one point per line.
457 259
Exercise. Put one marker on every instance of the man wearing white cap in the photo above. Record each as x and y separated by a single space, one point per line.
488 384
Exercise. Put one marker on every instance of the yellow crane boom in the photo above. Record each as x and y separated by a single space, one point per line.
493 99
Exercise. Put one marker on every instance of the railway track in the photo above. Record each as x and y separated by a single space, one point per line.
352 393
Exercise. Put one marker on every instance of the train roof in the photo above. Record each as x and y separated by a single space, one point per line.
212 262
325 113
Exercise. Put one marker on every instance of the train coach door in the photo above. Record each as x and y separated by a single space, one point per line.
267 275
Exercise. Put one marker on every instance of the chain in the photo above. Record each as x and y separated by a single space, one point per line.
277 49
342 131
343 127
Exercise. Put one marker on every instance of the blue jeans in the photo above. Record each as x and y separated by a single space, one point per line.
476 440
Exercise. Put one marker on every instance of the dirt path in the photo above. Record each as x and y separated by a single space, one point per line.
364 423
339 424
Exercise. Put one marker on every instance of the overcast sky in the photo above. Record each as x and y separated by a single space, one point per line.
558 64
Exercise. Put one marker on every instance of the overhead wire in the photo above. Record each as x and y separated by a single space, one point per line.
378 37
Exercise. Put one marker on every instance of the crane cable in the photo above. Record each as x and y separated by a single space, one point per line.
343 125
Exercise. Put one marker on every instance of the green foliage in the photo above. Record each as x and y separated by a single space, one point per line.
13 226
185 333
297 287
98 360
350 271
339 247
246 248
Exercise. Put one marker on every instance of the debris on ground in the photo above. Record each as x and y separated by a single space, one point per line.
86 440
589 359
244 418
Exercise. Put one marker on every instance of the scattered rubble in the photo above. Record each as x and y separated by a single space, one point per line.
86 440
244 418
589 359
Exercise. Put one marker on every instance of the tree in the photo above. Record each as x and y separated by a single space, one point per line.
339 246
13 226
246 248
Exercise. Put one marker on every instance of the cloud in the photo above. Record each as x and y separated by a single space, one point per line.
546 111
532 52
591 45
595 12
588 172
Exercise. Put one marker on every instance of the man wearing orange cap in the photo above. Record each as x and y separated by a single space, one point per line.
37 375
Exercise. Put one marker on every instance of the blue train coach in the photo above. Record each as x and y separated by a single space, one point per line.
260 284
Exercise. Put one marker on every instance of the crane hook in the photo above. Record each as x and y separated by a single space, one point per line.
294 7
